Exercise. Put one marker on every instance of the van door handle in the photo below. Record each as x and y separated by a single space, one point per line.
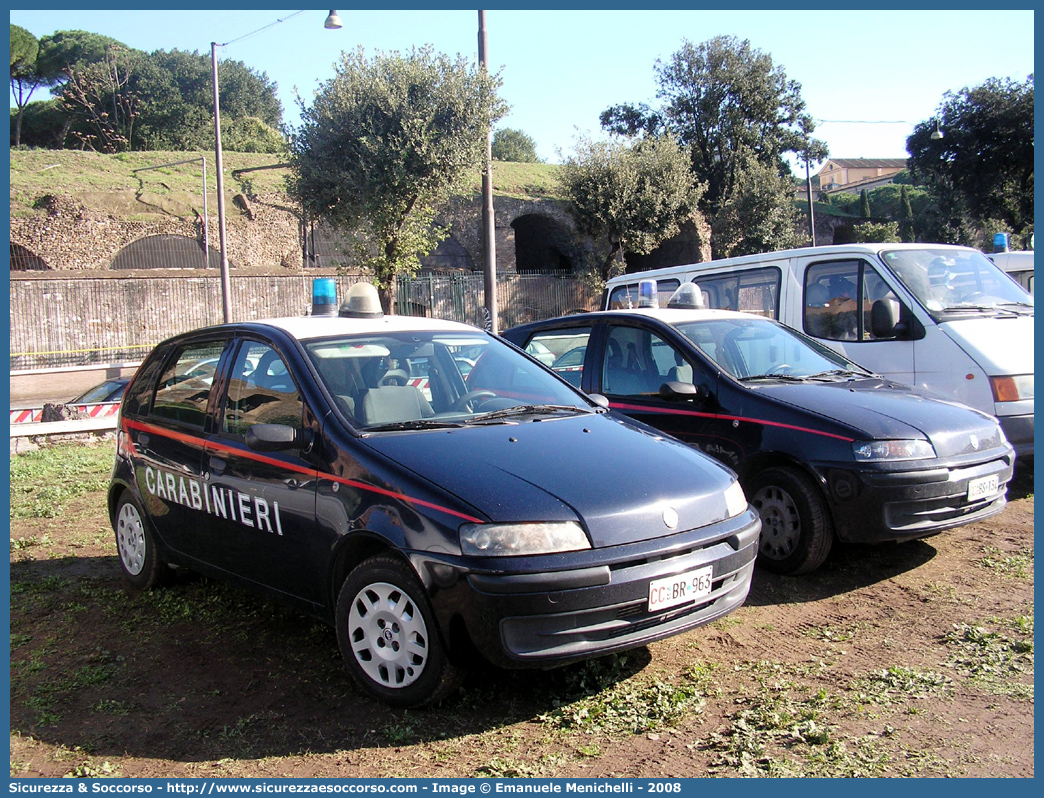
217 464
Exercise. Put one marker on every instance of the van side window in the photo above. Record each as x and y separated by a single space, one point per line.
625 297
840 297
750 290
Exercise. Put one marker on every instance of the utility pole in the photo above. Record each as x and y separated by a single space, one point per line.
489 242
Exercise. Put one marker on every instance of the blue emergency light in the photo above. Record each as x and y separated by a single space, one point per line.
324 296
1000 242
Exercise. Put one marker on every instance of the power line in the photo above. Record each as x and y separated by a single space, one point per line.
266 27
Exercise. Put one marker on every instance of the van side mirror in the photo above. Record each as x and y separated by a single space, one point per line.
673 391
277 438
884 318
889 319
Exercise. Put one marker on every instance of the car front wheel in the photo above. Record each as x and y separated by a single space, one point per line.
796 529
388 638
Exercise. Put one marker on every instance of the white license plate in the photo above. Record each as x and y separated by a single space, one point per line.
982 487
681 589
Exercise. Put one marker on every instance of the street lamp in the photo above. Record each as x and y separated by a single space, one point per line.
937 133
489 236
333 22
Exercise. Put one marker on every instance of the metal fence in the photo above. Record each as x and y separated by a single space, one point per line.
74 322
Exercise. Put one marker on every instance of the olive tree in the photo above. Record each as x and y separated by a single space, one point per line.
384 143
630 195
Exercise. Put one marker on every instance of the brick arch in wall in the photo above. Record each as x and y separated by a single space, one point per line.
544 245
165 252
23 260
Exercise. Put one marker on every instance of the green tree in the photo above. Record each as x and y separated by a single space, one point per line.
632 196
101 98
24 76
877 232
760 215
514 145
384 143
864 204
906 225
983 164
721 98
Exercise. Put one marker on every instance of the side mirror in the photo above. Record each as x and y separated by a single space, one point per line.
884 318
277 438
599 400
673 391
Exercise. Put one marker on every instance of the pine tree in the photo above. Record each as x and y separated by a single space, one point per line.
906 228
864 204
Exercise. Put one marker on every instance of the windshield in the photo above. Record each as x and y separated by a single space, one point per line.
423 380
756 348
955 280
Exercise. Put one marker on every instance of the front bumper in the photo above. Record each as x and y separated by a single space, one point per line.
526 618
1019 432
877 506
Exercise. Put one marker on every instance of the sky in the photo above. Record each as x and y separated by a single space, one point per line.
867 77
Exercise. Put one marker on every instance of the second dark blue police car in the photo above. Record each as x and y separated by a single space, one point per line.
824 448
432 512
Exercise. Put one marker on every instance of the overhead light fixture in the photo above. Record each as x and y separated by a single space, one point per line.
937 133
333 22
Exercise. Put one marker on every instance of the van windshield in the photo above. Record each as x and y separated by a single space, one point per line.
952 282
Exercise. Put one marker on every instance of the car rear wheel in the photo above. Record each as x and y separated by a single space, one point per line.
139 559
388 637
796 530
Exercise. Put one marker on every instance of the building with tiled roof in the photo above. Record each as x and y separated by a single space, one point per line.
843 173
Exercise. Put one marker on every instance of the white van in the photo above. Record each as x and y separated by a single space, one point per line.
941 317
1017 264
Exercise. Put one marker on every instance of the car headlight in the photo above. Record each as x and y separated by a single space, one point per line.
513 540
893 450
735 500
1012 389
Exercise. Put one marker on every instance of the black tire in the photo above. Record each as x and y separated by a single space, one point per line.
381 610
136 547
796 529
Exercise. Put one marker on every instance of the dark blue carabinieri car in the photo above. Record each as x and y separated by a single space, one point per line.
431 511
823 448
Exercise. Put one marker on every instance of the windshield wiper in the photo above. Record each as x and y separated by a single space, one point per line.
417 423
781 377
523 410
838 373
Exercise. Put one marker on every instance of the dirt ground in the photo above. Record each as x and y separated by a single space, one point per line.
903 660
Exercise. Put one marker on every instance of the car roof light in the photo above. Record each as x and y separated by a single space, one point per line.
647 297
362 302
688 296
324 296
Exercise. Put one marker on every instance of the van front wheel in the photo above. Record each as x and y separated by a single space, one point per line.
796 530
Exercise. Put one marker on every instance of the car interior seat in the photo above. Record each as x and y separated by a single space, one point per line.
618 378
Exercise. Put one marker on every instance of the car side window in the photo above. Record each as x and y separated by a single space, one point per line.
563 350
184 387
260 391
637 362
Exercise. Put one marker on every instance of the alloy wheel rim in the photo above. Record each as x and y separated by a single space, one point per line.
130 539
780 522
388 635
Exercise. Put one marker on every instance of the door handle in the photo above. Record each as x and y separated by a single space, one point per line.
143 438
217 464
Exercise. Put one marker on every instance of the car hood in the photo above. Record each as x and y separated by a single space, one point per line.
615 479
988 341
876 408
